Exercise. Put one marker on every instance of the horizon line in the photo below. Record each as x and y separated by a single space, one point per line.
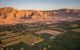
39 9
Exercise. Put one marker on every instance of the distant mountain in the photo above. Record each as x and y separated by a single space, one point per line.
9 15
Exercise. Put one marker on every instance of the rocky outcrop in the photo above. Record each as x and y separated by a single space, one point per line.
10 15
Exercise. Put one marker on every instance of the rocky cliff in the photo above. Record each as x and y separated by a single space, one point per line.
10 15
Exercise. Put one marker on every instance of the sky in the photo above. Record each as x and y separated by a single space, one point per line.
41 4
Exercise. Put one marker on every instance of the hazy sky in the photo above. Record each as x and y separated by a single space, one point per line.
40 4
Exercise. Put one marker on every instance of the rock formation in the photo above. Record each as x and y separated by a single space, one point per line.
10 15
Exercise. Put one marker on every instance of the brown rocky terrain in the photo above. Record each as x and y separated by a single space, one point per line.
10 15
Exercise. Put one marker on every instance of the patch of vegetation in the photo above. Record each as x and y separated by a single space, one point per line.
67 41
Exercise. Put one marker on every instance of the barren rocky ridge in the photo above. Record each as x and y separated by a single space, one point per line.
9 15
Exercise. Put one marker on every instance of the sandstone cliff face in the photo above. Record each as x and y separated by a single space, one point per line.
10 15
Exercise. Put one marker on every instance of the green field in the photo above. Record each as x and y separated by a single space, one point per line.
69 39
